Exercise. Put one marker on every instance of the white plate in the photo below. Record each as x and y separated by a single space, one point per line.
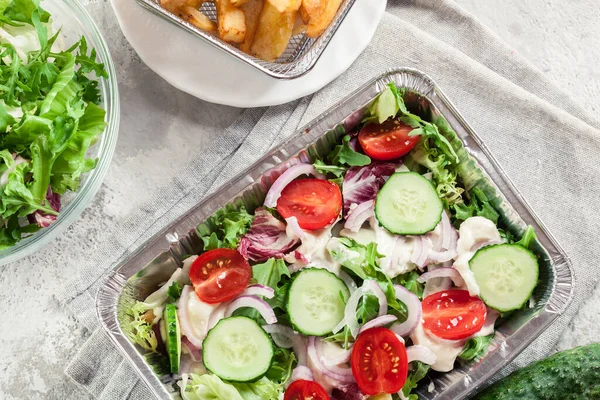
202 70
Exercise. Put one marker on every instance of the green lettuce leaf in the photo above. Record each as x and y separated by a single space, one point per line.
208 387
263 389
270 272
528 238
477 205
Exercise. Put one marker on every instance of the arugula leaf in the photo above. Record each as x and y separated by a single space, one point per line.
475 347
409 281
323 168
174 292
281 368
528 238
224 229
343 154
418 372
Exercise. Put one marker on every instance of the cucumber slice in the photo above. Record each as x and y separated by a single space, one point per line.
237 349
173 342
316 301
506 275
408 204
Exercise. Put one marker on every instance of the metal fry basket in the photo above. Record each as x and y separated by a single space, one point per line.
300 56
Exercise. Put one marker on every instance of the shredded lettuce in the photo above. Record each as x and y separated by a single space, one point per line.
225 229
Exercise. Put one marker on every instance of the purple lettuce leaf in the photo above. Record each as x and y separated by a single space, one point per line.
266 238
42 219
362 183
350 392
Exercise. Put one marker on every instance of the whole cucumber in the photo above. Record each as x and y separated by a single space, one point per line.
567 375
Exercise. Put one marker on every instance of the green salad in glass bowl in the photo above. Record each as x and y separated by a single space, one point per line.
59 117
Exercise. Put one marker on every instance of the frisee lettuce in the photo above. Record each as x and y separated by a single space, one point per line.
225 228
139 328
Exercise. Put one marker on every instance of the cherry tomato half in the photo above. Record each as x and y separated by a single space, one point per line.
388 140
453 314
314 202
219 275
379 362
305 390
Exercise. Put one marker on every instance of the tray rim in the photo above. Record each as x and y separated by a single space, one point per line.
117 278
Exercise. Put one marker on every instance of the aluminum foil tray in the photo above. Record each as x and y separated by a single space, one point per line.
300 56
154 262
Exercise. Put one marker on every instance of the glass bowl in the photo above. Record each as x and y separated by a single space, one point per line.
75 22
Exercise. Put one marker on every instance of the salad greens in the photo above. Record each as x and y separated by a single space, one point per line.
49 118
225 229
475 347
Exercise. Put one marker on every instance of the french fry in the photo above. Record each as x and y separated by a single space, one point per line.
231 22
194 3
251 10
201 21
238 3
299 26
304 14
173 6
273 32
286 5
320 13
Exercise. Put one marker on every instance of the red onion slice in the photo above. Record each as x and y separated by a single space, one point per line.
358 215
293 229
447 231
302 372
379 321
193 351
435 285
413 305
421 249
342 358
254 302
438 257
284 179
420 353
343 375
259 290
285 337
217 315
348 281
350 319
441 272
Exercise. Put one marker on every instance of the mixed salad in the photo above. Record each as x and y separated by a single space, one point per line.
49 117
359 274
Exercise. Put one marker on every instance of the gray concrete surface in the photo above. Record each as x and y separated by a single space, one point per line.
559 37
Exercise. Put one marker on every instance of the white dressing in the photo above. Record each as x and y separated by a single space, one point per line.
473 232
199 314
314 249
445 351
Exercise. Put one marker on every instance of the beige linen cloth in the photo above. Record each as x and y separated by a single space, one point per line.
545 141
